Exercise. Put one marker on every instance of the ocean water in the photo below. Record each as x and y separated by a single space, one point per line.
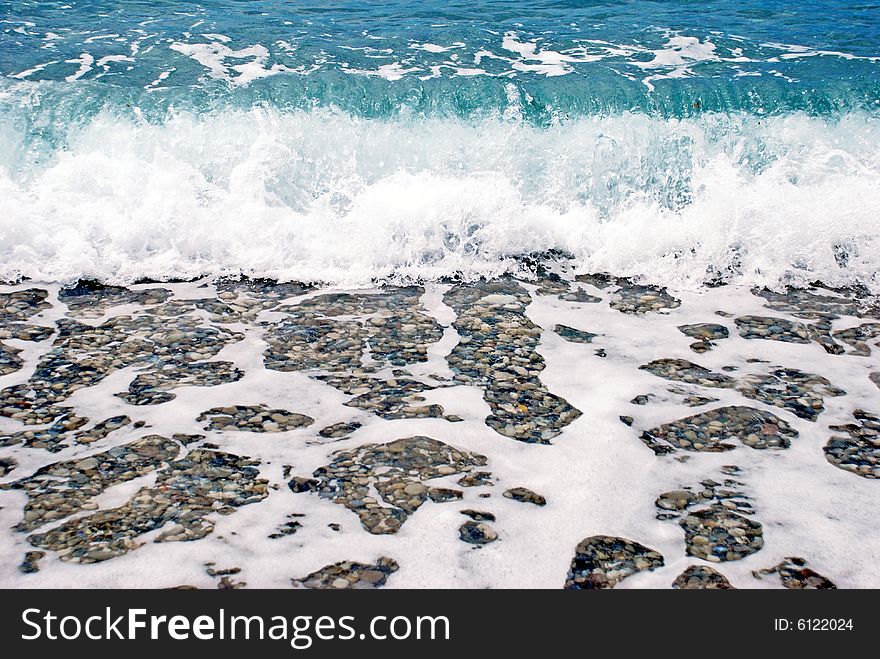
349 142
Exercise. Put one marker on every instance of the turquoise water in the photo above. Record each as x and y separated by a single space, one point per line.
562 59
682 141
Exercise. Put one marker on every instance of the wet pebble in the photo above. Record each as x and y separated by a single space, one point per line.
794 575
859 453
253 418
701 577
714 431
525 495
603 561
477 533
349 575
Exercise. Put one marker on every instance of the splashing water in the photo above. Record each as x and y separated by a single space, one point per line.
324 143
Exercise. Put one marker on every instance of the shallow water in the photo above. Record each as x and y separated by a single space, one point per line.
399 364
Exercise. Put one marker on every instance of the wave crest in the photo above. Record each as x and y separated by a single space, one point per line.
327 196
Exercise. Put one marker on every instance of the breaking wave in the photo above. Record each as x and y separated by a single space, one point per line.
326 195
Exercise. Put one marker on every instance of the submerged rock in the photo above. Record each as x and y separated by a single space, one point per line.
773 329
794 575
497 352
799 392
602 561
574 335
477 533
525 495
705 333
186 492
330 332
389 398
681 370
338 430
7 465
720 529
857 338
253 418
701 577
21 305
396 471
714 431
860 452
64 488
350 575
171 351
90 299
708 331
719 535
629 297
30 564
10 362
479 515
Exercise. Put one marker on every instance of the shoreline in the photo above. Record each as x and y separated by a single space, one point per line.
503 433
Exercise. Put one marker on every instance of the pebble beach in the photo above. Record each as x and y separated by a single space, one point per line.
548 430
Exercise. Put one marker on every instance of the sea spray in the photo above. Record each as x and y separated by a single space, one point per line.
323 195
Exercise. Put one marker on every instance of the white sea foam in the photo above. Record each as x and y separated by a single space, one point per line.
85 62
436 48
542 60
213 56
326 196
155 84
677 56
681 50
32 70
217 37
513 53
794 51
597 477
392 71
